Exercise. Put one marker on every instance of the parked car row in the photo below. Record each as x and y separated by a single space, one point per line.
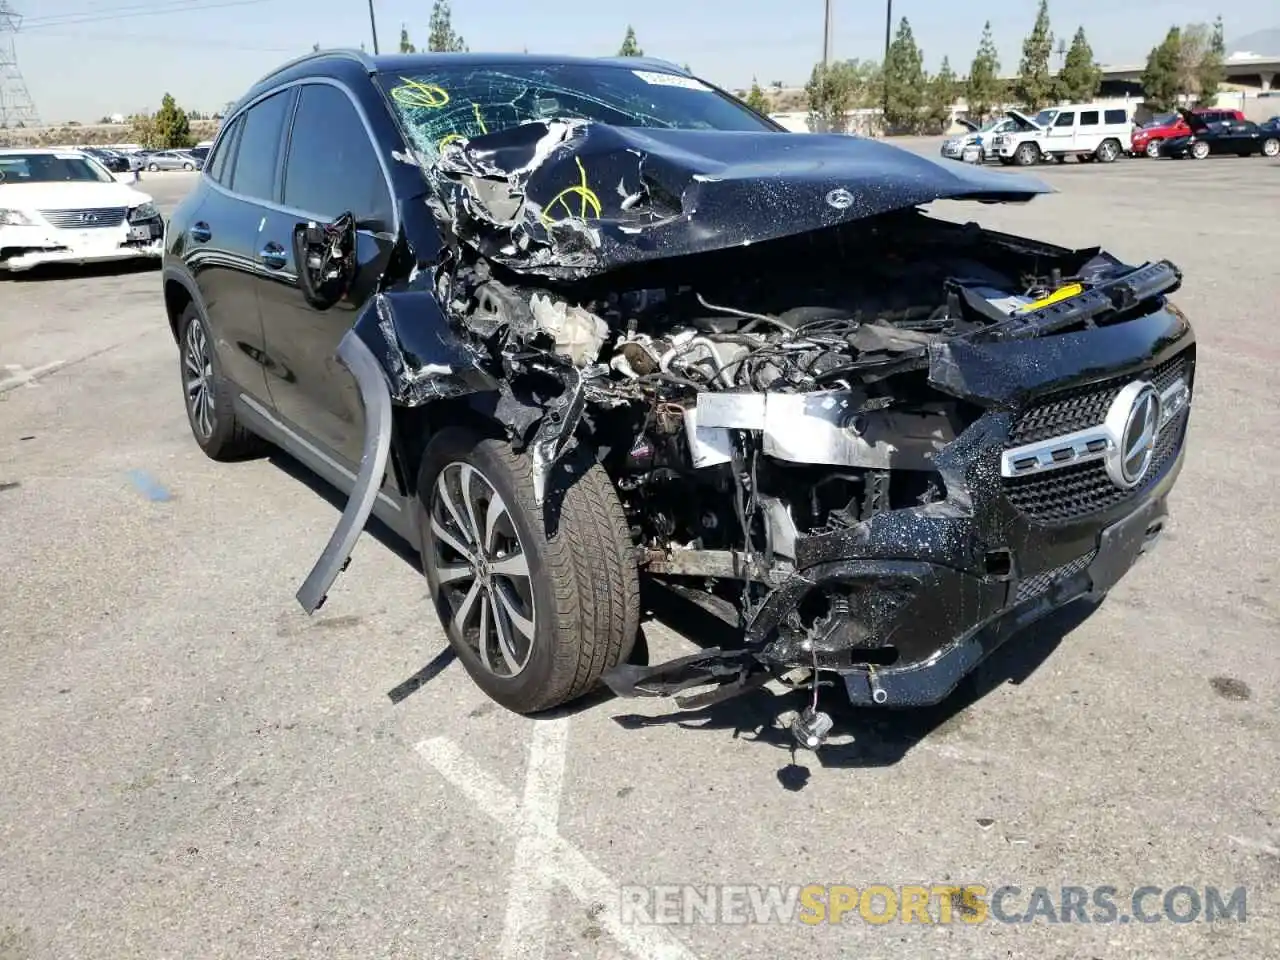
1105 133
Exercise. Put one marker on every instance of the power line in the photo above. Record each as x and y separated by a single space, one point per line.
140 10
170 40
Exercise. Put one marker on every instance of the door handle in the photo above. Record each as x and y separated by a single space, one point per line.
200 232
273 256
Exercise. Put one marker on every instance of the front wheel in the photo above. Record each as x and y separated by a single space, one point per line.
1199 150
1271 147
1153 149
536 615
188 166
153 167
1027 155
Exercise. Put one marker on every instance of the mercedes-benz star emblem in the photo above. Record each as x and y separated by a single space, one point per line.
840 198
1133 422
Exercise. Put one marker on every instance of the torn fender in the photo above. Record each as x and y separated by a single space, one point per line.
400 351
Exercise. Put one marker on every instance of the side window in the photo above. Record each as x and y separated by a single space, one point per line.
226 148
255 170
1115 116
1089 118
332 167
1067 119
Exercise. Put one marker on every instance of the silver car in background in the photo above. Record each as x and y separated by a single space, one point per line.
173 160
977 143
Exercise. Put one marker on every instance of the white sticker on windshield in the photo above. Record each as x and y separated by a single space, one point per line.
670 80
69 156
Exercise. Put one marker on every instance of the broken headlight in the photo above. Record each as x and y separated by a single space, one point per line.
144 211
14 218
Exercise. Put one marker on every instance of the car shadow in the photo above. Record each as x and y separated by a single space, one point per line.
866 737
861 737
67 271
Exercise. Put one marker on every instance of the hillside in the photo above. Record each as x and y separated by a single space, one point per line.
89 134
1265 42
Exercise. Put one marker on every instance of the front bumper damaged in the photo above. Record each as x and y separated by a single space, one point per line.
903 606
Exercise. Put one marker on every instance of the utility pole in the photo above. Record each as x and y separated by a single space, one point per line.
373 26
884 68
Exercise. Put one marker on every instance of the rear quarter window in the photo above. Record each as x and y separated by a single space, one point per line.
1115 116
1089 118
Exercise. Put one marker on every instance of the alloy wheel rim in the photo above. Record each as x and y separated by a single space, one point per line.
1200 150
1271 148
1108 151
197 369
481 570
1153 148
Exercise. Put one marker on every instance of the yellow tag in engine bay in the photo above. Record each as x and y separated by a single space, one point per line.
1062 293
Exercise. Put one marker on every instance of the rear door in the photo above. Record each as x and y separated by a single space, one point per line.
1089 130
331 168
223 237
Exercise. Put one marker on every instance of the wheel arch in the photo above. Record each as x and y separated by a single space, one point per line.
179 293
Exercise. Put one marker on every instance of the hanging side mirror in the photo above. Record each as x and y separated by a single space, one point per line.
326 258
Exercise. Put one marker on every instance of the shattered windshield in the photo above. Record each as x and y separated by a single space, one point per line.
51 168
457 102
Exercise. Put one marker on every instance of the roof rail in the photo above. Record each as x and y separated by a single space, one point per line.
359 56
646 62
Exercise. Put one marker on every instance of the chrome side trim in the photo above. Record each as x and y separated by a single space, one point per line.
376 397
1092 443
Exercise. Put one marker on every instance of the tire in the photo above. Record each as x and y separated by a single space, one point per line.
1027 155
188 166
1153 149
152 167
1108 151
1271 147
577 590
215 428
1199 150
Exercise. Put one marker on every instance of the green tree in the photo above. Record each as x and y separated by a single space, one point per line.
1035 84
442 38
835 90
942 92
904 80
168 129
1160 81
405 45
630 48
1211 72
983 90
756 98
1080 77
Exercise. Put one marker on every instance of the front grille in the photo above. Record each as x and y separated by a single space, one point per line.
1066 494
86 219
1082 407
1069 493
1038 583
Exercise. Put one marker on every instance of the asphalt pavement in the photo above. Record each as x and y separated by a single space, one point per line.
191 767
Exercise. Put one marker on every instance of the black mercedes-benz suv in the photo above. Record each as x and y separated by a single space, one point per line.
564 324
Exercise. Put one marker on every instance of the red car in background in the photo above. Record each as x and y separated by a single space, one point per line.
1166 126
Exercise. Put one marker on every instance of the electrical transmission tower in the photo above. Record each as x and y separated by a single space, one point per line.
16 106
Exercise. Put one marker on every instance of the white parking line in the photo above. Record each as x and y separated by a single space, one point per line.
524 933
554 857
18 376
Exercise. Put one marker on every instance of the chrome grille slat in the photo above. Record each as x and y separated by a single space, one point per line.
85 218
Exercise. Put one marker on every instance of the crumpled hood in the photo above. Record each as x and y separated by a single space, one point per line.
569 199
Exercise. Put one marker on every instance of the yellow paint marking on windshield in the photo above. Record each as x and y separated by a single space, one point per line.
587 199
479 119
448 139
415 93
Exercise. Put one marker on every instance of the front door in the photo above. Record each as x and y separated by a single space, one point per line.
1061 136
330 169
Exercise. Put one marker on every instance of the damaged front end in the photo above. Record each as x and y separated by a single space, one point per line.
877 442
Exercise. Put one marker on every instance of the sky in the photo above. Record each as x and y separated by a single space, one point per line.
83 59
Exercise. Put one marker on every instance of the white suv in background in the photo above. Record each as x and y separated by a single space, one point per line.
63 206
1085 130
